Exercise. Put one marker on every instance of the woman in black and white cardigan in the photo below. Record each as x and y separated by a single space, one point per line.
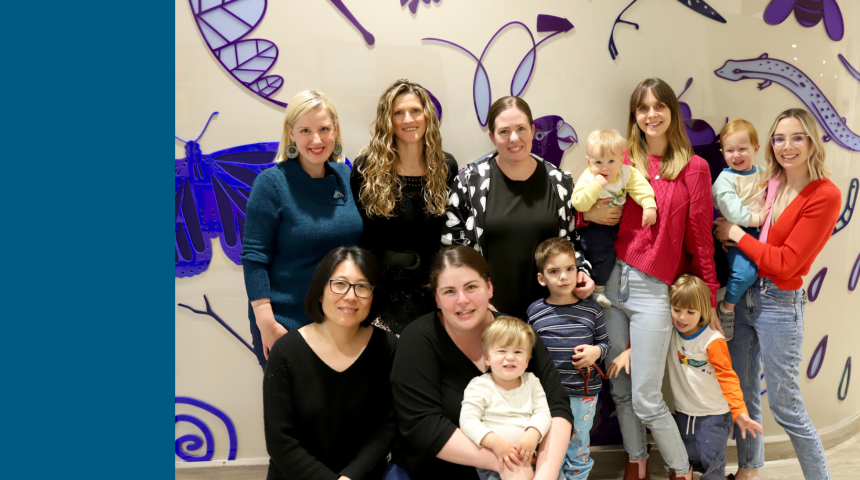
530 202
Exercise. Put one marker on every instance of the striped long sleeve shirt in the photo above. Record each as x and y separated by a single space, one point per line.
563 327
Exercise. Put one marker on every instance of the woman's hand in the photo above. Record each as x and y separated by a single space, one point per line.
584 356
527 445
621 361
748 425
270 329
584 285
724 230
715 322
600 213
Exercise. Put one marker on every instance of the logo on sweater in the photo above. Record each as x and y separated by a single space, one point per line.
689 361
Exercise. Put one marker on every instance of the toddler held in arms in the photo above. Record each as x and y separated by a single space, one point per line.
505 409
608 177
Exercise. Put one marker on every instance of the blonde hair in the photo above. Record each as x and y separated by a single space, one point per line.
737 125
817 169
302 103
550 248
678 151
382 186
690 292
507 332
603 142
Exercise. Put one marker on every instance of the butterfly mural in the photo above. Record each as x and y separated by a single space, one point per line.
808 13
224 25
210 196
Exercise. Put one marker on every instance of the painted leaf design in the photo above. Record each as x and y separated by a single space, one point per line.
855 274
815 284
226 21
817 358
523 73
267 85
482 94
248 60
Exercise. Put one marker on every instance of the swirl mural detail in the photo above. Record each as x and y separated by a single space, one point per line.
192 442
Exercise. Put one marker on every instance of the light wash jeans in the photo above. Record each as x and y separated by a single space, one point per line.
640 310
578 462
769 322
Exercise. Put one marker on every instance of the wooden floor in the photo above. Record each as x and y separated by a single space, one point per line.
844 461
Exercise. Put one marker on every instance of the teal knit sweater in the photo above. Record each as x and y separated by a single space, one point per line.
292 222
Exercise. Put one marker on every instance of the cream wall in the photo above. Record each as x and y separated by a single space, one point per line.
574 77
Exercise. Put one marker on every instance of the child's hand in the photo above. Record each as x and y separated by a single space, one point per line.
506 453
527 444
600 180
584 356
649 217
748 425
764 212
621 361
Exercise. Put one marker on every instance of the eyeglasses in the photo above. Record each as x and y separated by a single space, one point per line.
798 140
341 287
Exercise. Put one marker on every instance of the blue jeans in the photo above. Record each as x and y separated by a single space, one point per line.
706 442
578 461
769 322
742 271
640 310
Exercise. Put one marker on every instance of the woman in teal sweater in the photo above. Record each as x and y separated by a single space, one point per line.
297 212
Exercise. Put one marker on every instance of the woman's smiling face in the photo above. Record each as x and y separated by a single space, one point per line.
463 296
653 116
513 136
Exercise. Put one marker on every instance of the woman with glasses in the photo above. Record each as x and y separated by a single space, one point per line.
297 211
769 316
326 391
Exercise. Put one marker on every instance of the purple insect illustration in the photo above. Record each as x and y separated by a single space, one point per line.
552 137
211 193
368 37
481 92
848 209
223 25
699 6
808 13
413 4
771 70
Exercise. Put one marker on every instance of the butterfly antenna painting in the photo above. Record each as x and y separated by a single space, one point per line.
204 129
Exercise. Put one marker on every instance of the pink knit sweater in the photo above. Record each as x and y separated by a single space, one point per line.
680 242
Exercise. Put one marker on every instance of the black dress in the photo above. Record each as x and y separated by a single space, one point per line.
321 424
429 376
520 215
411 228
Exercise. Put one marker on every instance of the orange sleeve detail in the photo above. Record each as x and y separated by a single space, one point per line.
718 355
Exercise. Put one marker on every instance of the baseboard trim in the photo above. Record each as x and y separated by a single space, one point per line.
224 463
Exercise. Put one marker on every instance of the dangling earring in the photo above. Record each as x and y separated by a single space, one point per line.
338 148
292 151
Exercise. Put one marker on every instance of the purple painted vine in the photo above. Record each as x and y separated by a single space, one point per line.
413 4
218 319
808 13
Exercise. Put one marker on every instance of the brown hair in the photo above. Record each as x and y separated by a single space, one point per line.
550 248
690 292
457 256
736 126
508 332
382 186
678 151
817 169
503 104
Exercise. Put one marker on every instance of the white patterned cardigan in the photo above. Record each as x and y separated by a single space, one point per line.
467 207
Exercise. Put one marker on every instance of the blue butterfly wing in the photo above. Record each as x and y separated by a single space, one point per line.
192 247
233 173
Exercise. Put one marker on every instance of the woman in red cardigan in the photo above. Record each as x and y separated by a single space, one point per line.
649 260
769 317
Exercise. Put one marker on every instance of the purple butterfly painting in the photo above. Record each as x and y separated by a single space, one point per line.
808 13
211 193
224 25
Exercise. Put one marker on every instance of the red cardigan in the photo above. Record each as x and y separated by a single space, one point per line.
797 237
680 242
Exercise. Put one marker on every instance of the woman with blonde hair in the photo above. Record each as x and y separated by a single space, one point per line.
649 259
298 211
400 185
769 316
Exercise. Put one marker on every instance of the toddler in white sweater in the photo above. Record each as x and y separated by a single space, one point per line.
506 409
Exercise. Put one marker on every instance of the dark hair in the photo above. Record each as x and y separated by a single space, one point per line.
457 256
550 248
503 104
365 262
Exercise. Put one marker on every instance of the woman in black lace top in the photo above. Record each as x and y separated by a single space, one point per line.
400 182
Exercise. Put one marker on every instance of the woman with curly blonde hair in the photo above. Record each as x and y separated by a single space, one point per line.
400 182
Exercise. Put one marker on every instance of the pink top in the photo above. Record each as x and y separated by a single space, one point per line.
680 242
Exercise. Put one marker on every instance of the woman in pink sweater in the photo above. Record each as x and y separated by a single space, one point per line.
769 316
649 260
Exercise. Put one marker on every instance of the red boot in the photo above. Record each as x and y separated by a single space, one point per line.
686 476
631 469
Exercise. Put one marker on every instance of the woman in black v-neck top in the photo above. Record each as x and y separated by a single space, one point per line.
326 391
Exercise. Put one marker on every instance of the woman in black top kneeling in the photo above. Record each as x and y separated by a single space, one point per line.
439 354
326 391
